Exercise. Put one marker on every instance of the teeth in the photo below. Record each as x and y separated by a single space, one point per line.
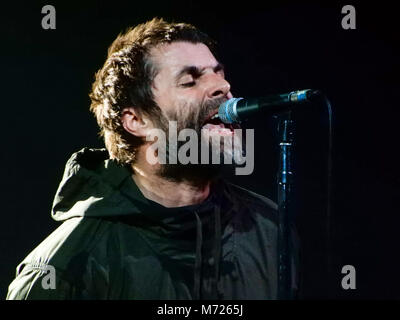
215 116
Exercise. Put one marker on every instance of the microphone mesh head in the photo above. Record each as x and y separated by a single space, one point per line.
227 111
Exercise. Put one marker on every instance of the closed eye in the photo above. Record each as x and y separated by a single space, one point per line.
193 72
188 84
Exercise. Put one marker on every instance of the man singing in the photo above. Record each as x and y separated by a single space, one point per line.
135 229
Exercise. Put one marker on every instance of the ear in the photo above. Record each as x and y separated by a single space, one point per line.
134 123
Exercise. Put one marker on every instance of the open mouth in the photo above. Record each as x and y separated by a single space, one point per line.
214 123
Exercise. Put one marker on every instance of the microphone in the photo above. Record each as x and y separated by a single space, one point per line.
237 109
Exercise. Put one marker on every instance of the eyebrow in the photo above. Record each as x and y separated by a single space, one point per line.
196 71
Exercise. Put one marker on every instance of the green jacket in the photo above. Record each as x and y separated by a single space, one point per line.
114 243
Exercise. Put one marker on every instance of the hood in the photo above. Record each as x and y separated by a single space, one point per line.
91 187
95 186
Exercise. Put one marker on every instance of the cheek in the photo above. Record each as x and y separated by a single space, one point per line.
162 93
182 106
183 110
164 101
174 102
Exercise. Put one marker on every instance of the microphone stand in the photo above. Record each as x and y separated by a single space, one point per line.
284 179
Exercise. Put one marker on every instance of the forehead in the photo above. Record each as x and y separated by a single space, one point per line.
173 56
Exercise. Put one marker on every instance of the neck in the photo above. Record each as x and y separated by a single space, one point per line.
167 192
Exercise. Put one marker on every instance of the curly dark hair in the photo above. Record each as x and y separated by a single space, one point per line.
126 77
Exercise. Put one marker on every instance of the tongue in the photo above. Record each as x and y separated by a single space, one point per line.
220 128
211 126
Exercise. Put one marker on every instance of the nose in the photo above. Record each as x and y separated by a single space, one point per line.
218 88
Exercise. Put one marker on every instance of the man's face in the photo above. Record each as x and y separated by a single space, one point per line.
190 83
189 87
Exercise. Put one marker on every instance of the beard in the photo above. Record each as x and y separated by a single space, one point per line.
191 116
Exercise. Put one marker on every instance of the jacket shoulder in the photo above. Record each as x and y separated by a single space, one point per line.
65 252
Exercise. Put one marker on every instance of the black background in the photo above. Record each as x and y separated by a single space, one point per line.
267 47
